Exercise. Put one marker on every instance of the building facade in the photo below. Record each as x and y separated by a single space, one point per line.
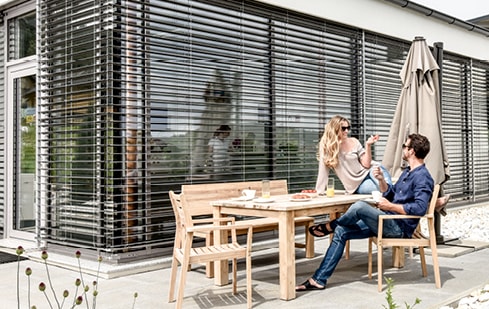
108 105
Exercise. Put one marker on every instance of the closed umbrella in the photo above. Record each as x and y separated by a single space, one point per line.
418 111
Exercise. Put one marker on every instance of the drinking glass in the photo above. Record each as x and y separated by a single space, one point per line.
265 188
330 187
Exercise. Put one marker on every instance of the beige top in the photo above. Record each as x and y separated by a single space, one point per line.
349 170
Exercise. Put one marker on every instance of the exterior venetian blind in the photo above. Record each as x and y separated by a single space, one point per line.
2 133
132 92
457 122
480 101
384 58
465 108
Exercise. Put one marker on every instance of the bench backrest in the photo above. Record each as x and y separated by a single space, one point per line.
199 196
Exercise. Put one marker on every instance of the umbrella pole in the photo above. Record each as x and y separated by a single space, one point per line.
439 238
438 55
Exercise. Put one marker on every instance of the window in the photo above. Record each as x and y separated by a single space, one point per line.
22 36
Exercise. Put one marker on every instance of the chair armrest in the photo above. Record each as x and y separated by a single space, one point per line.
214 220
210 228
383 217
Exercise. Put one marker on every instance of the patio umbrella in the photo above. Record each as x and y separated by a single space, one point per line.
418 111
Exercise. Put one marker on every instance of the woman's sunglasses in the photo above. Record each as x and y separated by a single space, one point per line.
346 128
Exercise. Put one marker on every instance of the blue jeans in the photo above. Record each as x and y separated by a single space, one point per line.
360 221
370 183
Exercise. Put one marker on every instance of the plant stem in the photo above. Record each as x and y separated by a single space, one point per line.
29 291
83 284
18 281
51 284
49 302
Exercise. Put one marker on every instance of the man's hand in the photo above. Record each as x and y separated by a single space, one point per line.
378 173
385 205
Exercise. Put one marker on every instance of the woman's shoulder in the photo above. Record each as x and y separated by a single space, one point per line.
353 141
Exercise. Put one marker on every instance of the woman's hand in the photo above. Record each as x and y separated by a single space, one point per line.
372 139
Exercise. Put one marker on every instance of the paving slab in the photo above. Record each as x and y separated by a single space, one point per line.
349 287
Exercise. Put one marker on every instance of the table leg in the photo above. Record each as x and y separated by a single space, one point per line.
221 268
287 255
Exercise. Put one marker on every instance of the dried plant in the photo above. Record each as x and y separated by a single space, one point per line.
78 299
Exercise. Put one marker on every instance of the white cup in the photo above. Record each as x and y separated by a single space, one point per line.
249 193
376 195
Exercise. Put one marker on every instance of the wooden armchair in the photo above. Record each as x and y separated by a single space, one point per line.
186 254
417 240
199 198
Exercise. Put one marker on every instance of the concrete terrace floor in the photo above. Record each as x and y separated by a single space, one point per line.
461 273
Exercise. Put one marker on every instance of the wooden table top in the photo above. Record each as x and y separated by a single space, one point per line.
287 203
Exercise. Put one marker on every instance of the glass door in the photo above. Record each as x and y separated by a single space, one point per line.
21 150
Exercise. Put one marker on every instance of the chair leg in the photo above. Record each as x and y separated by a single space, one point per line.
249 291
398 256
379 266
209 266
173 276
422 257
436 267
181 287
235 277
370 258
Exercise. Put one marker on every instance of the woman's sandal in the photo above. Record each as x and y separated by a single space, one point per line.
308 287
319 230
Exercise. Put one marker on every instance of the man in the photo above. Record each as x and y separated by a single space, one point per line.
410 195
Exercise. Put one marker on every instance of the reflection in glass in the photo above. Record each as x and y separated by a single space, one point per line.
25 101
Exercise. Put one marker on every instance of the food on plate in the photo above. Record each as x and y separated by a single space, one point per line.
301 196
309 191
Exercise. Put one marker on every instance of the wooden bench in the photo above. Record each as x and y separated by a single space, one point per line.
199 196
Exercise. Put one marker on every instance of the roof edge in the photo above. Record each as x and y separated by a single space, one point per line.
440 16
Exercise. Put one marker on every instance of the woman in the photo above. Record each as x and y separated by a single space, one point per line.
350 161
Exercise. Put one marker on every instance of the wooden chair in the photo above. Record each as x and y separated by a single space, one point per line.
185 253
199 196
417 240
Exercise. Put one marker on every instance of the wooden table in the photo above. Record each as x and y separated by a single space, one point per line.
284 210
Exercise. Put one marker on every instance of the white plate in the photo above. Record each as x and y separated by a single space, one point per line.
242 198
300 199
264 200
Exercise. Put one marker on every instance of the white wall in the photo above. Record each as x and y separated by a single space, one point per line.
393 20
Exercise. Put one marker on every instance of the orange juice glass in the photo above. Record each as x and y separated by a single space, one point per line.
330 188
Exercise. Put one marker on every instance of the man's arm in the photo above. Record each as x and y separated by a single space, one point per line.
385 205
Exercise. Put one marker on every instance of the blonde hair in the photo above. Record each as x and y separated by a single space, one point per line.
329 145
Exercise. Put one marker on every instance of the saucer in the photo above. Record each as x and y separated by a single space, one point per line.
242 198
264 200
370 201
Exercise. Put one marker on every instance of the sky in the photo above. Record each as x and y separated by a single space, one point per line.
462 9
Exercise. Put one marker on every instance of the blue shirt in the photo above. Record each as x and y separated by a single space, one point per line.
413 191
